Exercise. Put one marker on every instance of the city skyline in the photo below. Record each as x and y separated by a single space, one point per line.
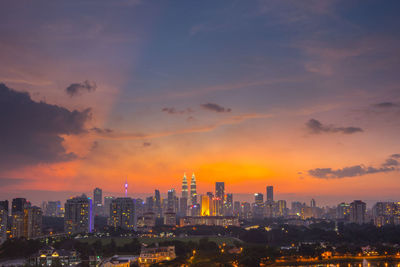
301 95
242 197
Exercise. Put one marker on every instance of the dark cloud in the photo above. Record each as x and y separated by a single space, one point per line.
173 110
78 88
146 144
357 170
31 131
317 127
386 105
395 156
215 107
101 130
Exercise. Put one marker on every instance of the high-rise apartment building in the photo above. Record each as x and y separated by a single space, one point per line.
18 207
78 216
270 193
107 205
123 213
343 211
32 222
3 220
53 209
357 212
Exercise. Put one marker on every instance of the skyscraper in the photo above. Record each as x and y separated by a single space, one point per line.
157 204
184 187
357 211
183 206
270 193
228 206
78 216
126 187
98 201
32 222
107 205
220 195
3 220
18 205
220 190
18 214
193 190
313 203
258 208
53 209
123 213
205 205
171 200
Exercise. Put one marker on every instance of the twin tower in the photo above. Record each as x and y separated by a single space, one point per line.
193 190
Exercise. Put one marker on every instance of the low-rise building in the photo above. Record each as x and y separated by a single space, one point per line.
49 256
210 220
157 254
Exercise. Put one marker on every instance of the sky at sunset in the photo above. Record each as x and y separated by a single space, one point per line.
301 95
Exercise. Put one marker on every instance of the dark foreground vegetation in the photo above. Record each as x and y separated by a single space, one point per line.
265 243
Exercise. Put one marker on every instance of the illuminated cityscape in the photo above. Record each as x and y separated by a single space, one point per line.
199 133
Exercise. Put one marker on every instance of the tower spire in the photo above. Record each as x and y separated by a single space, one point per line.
126 187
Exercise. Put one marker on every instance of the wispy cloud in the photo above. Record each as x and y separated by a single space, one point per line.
172 110
237 119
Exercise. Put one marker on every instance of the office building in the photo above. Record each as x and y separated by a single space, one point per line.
193 191
313 204
237 211
185 193
205 205
270 193
98 202
171 200
170 218
157 203
78 216
220 194
228 205
281 208
183 206
149 204
258 207
357 212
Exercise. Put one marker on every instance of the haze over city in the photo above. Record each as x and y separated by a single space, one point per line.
301 95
